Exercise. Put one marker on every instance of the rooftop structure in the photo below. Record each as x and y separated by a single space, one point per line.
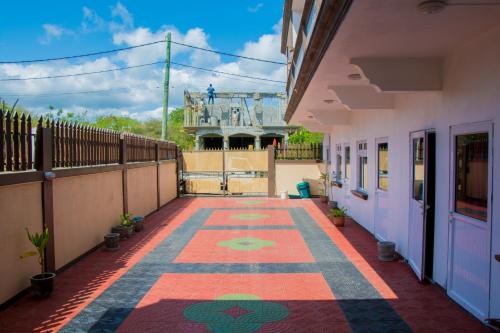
236 119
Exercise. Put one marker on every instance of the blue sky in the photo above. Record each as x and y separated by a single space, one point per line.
40 29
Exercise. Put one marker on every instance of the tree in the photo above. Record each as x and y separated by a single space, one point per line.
303 135
176 132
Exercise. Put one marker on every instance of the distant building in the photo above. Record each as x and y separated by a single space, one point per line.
236 120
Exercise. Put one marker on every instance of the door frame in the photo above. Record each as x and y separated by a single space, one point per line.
379 192
424 133
470 128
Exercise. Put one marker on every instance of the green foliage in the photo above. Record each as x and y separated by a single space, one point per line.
338 212
176 132
126 220
39 241
304 136
325 178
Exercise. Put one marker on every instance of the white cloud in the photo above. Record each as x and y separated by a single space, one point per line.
139 92
53 31
255 8
92 21
126 19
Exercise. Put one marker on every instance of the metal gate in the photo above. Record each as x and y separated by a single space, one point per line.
225 172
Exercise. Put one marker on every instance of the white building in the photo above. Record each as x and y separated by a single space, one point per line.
408 95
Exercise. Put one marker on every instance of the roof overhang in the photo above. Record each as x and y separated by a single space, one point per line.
380 50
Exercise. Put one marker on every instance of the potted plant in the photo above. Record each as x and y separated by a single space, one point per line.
121 230
43 283
126 221
338 216
325 179
138 223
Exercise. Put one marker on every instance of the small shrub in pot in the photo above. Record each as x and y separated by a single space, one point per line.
126 221
42 284
338 216
325 178
121 230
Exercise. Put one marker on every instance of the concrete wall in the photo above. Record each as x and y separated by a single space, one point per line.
142 190
20 207
289 173
85 208
470 94
168 179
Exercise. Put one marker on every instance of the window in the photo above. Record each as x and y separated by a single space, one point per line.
418 169
471 175
338 164
347 162
362 166
383 166
311 18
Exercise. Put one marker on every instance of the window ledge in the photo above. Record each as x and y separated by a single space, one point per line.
336 184
360 194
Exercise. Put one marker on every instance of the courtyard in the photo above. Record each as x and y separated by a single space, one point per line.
211 264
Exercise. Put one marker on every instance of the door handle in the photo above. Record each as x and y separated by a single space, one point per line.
497 257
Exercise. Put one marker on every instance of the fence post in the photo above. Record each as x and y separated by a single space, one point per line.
157 159
271 172
44 147
123 162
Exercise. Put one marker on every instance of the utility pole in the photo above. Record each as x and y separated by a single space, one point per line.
165 88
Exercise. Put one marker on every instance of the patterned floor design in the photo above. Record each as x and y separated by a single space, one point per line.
240 265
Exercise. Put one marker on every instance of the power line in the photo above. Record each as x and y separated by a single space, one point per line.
80 74
229 54
137 46
60 93
80 55
219 72
136 66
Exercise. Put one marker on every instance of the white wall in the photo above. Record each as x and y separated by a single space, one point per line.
471 93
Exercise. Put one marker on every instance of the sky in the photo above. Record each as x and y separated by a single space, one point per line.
50 28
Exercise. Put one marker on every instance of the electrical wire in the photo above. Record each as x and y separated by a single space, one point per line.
219 72
80 74
230 54
137 46
80 55
60 93
136 66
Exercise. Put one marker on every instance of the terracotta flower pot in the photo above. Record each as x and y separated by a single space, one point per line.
338 221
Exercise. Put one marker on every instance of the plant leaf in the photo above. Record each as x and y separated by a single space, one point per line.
28 254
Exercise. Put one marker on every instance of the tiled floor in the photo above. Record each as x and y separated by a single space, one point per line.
240 265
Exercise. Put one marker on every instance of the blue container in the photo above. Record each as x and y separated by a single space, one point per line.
303 189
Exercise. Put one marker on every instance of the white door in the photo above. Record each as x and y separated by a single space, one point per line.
381 217
417 205
470 217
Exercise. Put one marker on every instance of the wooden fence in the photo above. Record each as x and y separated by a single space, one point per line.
16 142
299 152
72 145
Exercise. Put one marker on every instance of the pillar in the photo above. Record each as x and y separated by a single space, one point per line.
197 142
257 142
225 142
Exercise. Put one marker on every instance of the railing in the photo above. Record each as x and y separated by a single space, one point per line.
16 142
72 145
299 152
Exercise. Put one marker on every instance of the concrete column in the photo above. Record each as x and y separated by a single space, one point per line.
286 138
197 142
226 142
257 142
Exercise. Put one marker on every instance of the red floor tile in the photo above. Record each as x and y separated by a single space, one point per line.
240 217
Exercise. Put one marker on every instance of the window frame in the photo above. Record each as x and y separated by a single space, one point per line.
361 152
378 142
338 163
347 146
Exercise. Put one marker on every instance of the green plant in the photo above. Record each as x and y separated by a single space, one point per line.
39 241
126 219
325 178
338 212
